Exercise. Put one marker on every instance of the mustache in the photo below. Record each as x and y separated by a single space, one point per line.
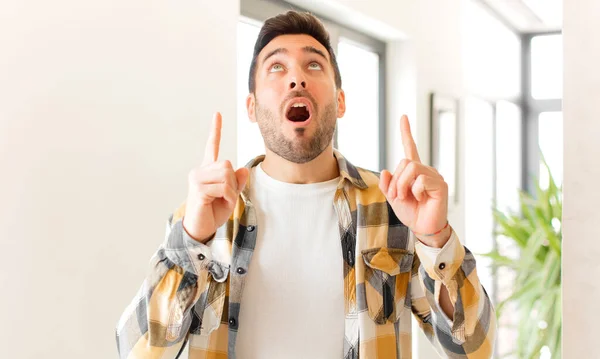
299 93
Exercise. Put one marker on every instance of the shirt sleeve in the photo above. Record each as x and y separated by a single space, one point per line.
193 256
472 331
157 321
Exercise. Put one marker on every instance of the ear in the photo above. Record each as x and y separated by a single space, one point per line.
250 107
341 103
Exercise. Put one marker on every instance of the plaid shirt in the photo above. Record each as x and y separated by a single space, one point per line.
194 291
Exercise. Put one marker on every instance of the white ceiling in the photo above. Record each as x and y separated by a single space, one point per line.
529 15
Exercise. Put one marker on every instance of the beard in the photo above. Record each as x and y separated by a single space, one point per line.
300 149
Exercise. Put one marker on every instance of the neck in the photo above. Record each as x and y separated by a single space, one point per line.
322 168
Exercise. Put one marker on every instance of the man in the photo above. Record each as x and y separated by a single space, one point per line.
300 254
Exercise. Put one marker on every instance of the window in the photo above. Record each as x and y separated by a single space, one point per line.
508 170
479 184
509 151
543 99
546 67
360 69
360 133
493 178
506 142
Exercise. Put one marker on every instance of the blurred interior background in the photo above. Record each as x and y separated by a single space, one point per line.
105 106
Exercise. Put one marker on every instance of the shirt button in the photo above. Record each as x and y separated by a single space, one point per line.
250 228
232 322
241 270
201 256
442 266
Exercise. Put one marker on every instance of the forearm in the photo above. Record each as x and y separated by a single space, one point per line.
152 325
179 271
446 303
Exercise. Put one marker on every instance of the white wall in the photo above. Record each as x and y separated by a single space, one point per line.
581 248
104 107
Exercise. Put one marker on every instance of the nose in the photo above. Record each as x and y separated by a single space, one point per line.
294 82
297 77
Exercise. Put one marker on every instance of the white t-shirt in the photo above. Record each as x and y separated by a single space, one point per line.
293 297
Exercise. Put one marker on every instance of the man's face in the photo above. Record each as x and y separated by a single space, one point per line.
295 103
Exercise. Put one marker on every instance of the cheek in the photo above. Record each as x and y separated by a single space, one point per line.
324 94
323 84
269 98
276 81
269 87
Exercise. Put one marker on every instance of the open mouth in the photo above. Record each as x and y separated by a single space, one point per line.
298 111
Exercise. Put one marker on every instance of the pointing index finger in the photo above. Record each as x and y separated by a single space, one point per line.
410 148
211 154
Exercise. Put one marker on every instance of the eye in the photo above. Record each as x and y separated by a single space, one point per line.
276 68
314 66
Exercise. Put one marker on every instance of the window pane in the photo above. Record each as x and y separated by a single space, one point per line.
546 67
551 144
508 155
249 141
508 183
358 130
479 184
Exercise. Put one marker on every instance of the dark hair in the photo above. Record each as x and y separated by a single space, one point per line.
292 22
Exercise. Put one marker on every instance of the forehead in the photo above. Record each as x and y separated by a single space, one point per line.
293 43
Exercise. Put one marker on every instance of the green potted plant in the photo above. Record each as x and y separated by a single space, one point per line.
536 232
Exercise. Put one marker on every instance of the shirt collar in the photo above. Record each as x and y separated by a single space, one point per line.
347 171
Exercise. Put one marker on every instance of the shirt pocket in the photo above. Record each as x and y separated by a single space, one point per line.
387 278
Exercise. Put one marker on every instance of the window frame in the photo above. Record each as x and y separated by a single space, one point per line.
531 109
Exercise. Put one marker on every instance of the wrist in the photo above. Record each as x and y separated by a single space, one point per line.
197 236
437 240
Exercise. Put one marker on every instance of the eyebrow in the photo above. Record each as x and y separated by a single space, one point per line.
314 50
281 50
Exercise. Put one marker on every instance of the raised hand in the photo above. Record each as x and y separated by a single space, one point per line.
213 189
417 193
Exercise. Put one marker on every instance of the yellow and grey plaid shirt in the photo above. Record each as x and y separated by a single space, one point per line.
193 292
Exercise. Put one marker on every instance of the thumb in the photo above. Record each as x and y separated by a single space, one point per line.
241 175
